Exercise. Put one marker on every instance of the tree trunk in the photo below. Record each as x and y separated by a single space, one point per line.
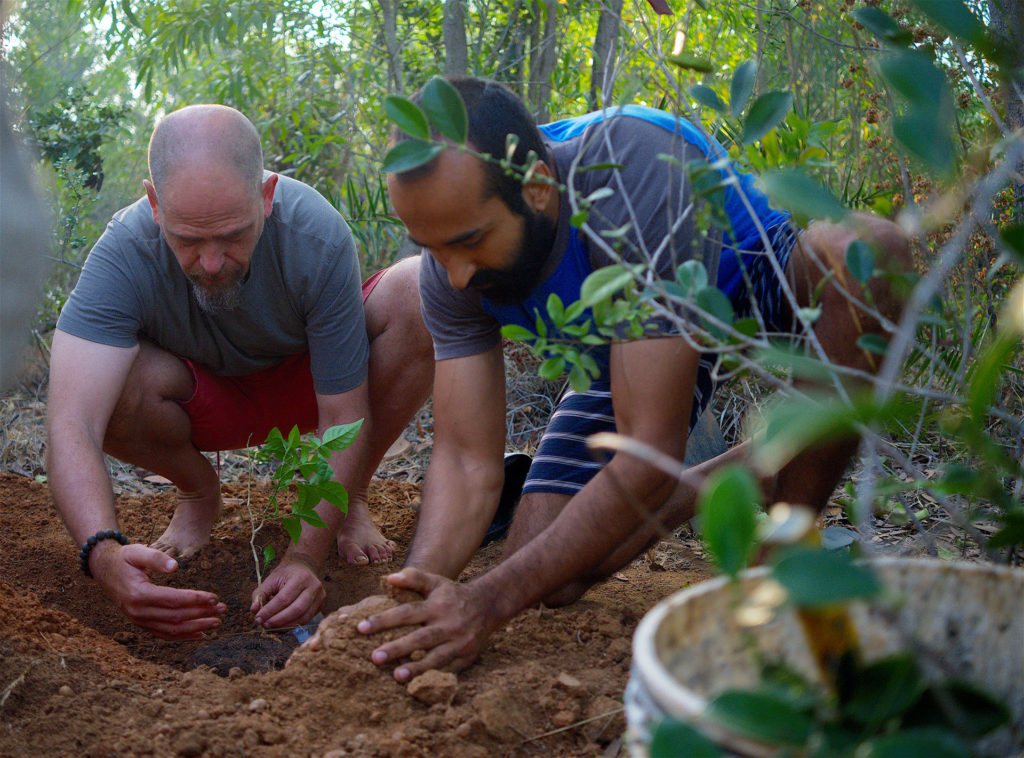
456 53
606 49
389 10
543 57
1008 27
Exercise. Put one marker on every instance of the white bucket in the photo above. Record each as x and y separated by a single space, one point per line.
689 648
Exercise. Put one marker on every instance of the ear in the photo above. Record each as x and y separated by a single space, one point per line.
537 193
153 204
267 194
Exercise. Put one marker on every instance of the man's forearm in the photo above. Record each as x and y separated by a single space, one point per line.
459 501
593 525
79 483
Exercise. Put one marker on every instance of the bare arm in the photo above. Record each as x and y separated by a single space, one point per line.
652 388
86 381
465 476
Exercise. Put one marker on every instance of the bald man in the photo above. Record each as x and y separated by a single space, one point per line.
225 302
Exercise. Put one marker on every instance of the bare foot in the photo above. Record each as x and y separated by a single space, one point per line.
194 517
359 540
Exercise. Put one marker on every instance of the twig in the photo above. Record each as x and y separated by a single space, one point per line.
10 687
572 726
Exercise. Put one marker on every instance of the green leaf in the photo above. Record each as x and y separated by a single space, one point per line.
672 739
961 705
556 311
517 333
810 315
293 526
883 690
707 96
873 343
579 218
445 109
600 167
860 260
766 112
1012 238
713 301
692 277
956 18
335 494
341 436
915 76
409 154
578 379
933 742
552 368
879 23
761 716
728 505
743 80
692 62
407 116
931 142
816 578
794 190
313 519
603 283
1011 534
268 555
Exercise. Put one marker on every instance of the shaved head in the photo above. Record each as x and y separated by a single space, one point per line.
206 138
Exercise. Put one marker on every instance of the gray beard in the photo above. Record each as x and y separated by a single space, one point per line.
217 302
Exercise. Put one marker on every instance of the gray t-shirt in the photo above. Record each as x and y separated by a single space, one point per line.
662 228
302 293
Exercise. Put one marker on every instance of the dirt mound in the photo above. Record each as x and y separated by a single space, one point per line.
77 679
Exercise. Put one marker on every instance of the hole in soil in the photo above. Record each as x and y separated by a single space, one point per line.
251 655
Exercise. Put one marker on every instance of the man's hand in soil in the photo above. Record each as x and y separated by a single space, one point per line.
454 623
166 612
292 594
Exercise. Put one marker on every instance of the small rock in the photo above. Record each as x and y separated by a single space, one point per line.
258 705
65 691
202 714
235 673
433 686
569 682
564 718
189 745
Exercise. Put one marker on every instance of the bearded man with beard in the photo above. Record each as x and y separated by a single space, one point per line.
224 303
496 249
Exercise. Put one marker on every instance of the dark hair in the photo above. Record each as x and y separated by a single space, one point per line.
493 112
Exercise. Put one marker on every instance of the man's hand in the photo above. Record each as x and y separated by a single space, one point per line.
166 612
291 595
454 625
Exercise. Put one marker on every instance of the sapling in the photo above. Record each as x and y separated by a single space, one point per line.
302 461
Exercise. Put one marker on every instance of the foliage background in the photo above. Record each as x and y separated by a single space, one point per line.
89 78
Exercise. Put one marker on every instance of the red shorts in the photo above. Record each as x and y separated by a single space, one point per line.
232 412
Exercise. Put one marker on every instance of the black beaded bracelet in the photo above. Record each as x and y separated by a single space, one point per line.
89 544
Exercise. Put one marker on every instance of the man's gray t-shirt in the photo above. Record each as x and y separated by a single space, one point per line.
662 228
302 292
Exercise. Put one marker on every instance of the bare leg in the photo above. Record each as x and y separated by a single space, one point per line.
401 376
149 429
811 477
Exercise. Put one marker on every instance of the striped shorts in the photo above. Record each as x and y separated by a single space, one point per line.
564 465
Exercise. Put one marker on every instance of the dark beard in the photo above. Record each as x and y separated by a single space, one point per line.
514 283
216 301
